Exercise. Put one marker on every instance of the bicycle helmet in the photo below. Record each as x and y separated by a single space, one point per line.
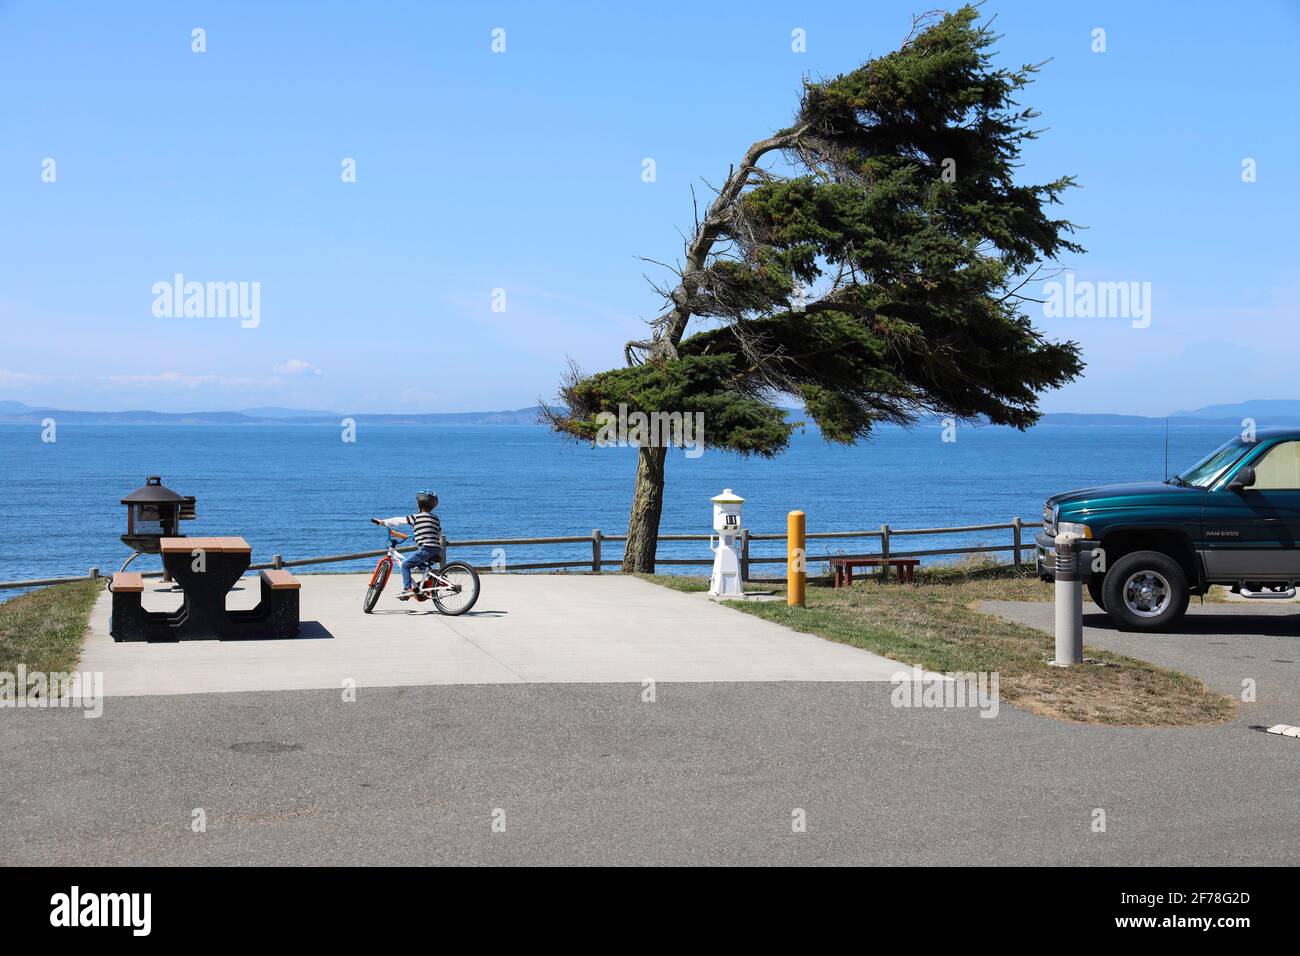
427 499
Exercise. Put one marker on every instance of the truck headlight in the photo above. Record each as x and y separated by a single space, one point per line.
1082 530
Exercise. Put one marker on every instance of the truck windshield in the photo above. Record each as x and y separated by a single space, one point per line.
1211 468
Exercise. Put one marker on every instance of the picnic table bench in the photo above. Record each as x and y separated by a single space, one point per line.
206 569
843 566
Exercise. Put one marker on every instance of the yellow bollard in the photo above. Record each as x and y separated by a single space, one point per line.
796 567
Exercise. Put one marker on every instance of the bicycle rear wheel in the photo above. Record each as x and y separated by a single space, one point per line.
460 596
377 582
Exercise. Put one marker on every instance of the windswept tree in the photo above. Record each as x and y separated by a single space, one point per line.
866 260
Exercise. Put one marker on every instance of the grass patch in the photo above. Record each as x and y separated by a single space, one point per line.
44 629
933 624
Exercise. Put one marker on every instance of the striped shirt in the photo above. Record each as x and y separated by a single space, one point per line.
427 528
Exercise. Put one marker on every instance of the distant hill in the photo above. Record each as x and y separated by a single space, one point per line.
1061 420
16 412
1258 409
273 411
1280 413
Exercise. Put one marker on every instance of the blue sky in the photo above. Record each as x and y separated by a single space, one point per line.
522 171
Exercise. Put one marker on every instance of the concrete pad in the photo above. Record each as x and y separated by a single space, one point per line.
525 628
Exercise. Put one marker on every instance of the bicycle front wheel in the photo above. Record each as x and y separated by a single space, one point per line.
377 582
460 592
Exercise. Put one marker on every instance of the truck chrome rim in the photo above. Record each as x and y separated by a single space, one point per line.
1147 593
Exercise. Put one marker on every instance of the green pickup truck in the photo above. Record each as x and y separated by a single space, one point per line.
1231 519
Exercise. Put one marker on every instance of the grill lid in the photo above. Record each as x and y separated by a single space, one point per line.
154 492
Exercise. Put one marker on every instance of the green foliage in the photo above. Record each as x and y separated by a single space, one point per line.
903 213
736 422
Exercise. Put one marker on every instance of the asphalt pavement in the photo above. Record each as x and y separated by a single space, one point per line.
716 773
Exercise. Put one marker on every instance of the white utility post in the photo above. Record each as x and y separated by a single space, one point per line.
1069 601
726 559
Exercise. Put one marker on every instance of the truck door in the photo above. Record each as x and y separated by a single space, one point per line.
1253 534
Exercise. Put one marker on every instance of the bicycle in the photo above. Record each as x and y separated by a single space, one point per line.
453 589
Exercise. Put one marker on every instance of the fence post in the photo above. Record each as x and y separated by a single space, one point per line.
744 555
1015 533
596 537
442 546
277 562
94 574
884 552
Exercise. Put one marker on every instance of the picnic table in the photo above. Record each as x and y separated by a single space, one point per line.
206 569
843 567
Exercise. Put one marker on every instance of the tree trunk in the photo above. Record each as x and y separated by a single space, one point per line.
647 505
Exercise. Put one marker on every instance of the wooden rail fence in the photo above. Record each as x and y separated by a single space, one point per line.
886 536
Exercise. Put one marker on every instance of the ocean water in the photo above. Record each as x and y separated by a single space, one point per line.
299 490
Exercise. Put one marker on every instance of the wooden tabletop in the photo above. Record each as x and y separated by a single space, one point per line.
233 545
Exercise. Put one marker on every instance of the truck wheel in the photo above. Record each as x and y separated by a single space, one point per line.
1096 590
1145 591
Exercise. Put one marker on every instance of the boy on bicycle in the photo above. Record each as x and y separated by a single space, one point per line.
427 530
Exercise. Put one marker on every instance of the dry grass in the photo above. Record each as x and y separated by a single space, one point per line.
933 624
44 629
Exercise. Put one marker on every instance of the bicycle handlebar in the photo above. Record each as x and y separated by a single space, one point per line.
392 531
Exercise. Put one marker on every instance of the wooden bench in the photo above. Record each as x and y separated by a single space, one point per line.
843 567
279 606
127 582
279 580
128 620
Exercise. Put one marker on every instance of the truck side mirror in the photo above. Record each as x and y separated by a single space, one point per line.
1245 478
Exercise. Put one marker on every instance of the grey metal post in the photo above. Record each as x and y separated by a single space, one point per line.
442 546
596 537
277 562
94 574
1015 533
1069 601
744 555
